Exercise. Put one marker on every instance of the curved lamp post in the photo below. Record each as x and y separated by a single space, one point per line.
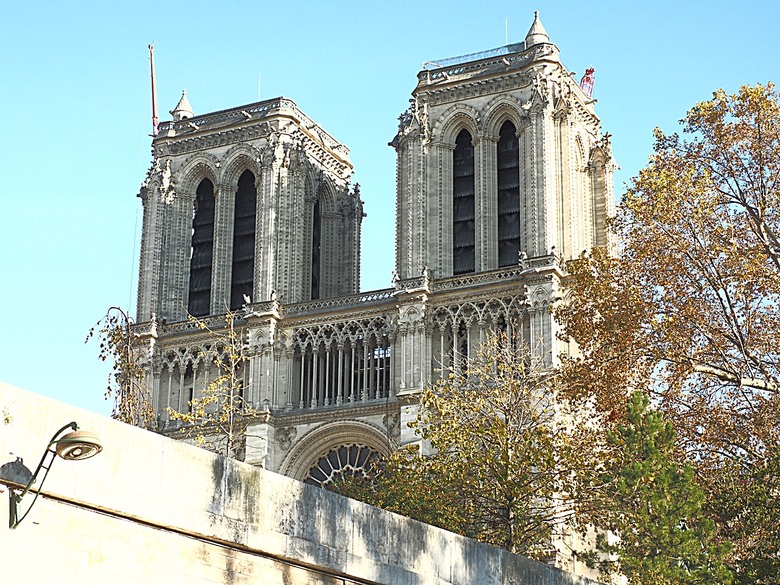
72 446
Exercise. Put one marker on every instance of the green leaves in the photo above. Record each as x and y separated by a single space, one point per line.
508 462
654 509
218 414
688 310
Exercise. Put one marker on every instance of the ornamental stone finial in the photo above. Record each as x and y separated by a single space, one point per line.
183 109
536 34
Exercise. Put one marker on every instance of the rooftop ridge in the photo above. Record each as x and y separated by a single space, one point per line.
257 111
497 52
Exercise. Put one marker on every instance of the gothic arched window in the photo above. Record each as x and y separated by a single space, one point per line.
242 279
508 195
316 231
202 250
463 205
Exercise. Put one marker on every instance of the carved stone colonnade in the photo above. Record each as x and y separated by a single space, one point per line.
359 360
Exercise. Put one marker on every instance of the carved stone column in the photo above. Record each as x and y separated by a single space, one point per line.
222 259
412 216
262 320
486 203
414 355
442 154
151 250
177 258
539 167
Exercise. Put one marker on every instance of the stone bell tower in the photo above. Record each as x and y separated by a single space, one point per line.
247 204
500 156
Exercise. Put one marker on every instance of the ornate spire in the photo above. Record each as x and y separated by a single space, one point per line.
183 109
536 34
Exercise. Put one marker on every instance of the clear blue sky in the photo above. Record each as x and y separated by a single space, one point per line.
75 99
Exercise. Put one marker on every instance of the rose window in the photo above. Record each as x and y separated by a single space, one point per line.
342 463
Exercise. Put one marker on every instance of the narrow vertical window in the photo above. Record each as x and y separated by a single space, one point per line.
463 205
202 250
243 273
508 195
316 230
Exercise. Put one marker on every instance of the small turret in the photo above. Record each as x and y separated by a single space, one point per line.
183 109
536 34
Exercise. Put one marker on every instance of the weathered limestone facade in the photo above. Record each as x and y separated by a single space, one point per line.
295 172
502 175
564 181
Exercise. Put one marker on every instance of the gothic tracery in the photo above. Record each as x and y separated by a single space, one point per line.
502 173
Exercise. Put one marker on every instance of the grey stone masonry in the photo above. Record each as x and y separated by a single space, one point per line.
565 163
503 174
296 165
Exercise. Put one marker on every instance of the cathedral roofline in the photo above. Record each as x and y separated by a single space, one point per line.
249 114
494 62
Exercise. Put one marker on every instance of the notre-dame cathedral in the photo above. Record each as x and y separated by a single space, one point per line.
502 175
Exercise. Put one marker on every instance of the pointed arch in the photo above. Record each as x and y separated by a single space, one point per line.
201 166
453 121
324 250
508 190
201 250
326 196
244 221
240 158
463 205
501 109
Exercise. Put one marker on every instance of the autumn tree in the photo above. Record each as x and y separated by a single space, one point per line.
218 418
688 306
508 457
126 386
652 527
407 483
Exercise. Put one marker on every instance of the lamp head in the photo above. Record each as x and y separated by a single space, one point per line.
73 446
78 445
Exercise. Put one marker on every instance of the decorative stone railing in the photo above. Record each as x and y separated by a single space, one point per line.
357 301
512 56
360 301
452 61
253 111
215 322
527 266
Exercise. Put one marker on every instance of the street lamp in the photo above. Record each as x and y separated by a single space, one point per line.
72 446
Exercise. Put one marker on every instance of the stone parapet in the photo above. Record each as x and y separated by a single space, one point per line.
152 510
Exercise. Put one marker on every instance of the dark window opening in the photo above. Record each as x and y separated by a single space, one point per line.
315 251
242 279
508 195
463 211
357 372
189 385
202 250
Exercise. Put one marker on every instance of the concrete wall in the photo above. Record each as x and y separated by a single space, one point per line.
152 510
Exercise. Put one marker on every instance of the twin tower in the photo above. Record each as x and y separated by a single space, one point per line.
502 175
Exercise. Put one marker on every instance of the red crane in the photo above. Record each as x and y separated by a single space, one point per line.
586 83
